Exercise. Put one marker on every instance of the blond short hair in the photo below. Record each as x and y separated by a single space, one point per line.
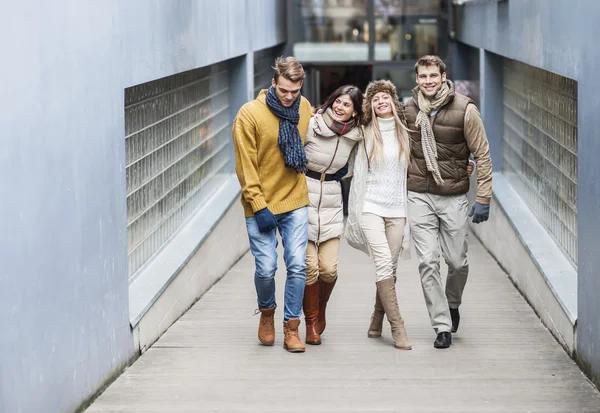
289 68
430 60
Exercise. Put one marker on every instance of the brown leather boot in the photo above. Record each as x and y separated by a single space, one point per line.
266 326
376 318
311 313
292 342
387 293
325 290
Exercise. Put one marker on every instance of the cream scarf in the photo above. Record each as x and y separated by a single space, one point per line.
426 106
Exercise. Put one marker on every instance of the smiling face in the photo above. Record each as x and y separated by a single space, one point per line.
343 108
430 80
382 105
286 90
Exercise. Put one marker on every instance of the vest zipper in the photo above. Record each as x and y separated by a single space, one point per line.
321 192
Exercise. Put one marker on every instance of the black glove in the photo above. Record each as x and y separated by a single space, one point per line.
341 173
480 212
266 220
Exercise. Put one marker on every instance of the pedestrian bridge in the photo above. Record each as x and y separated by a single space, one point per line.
502 358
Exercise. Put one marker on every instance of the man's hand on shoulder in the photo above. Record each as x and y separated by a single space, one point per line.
470 167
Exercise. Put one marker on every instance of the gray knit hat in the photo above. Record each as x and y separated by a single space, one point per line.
374 88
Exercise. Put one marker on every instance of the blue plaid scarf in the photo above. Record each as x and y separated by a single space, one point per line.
290 142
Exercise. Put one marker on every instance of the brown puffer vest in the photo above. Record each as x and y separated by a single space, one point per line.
453 153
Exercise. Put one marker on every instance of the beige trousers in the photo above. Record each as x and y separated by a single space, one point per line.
384 239
322 261
440 222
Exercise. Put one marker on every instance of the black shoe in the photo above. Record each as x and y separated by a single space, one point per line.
455 315
443 340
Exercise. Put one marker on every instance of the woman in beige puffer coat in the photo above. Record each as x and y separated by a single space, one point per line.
332 135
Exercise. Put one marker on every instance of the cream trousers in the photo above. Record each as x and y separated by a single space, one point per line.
384 240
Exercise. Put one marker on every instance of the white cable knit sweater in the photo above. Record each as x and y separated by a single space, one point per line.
386 180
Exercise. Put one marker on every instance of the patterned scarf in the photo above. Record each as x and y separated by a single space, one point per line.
289 140
426 106
340 128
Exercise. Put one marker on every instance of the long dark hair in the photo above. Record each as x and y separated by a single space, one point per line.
356 96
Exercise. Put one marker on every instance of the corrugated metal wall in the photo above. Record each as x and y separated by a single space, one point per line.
177 134
540 146
263 67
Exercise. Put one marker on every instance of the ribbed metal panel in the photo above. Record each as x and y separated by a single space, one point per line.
177 140
540 146
263 71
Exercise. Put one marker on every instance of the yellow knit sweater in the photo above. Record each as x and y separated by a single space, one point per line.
259 163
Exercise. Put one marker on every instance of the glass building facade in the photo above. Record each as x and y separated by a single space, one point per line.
355 41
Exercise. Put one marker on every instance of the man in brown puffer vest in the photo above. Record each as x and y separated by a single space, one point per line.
447 128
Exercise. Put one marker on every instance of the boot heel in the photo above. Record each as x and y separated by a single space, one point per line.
374 334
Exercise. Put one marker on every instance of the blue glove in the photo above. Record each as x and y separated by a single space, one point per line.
266 220
480 212
341 173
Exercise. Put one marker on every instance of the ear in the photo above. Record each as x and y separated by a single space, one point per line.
417 78
444 77
273 83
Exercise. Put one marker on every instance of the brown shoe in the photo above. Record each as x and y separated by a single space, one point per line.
292 342
266 326
376 319
311 313
387 292
325 290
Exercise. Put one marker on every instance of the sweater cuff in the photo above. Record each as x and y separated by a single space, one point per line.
258 204
484 200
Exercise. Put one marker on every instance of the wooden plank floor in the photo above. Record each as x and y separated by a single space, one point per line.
502 359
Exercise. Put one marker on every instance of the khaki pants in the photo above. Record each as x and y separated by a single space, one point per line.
322 261
384 239
440 222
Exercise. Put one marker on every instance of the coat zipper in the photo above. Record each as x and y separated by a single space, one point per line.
321 192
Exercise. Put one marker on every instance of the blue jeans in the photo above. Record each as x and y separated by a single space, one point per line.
293 227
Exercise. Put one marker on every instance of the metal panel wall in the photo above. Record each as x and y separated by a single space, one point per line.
177 138
263 67
540 146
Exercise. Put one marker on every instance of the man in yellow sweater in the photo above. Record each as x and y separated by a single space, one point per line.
268 138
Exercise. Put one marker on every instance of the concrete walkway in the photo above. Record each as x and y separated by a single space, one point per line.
502 359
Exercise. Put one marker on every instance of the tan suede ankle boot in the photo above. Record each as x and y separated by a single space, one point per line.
387 292
376 319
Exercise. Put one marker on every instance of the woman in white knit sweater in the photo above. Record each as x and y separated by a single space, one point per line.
377 202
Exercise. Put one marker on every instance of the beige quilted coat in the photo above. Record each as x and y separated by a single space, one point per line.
326 152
